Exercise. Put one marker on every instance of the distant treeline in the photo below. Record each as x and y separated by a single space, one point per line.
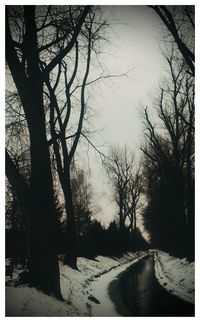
97 240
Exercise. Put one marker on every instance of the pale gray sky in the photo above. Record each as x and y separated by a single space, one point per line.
134 36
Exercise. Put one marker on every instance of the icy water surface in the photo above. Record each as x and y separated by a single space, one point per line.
137 292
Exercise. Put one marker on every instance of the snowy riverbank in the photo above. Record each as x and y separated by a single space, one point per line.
176 275
86 291
75 285
99 288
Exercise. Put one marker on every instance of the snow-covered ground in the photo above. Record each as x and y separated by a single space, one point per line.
99 289
75 286
176 275
85 291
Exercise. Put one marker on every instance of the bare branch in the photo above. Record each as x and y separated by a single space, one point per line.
70 45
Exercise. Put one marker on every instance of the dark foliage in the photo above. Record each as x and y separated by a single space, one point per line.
111 241
167 216
164 217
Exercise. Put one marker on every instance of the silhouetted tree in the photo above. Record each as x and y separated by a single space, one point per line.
31 39
180 22
95 239
132 198
65 135
83 206
126 182
169 163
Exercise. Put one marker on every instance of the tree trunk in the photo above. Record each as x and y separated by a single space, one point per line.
44 267
121 207
43 261
133 220
71 253
43 226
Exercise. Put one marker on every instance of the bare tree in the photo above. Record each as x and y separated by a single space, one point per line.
179 21
65 135
84 207
169 151
26 30
126 182
133 194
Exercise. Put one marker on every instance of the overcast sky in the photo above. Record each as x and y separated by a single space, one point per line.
133 44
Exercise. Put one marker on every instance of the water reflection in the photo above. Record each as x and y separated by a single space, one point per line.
139 294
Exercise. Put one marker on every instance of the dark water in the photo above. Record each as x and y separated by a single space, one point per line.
137 292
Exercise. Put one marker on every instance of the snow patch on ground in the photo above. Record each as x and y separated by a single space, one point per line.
99 289
176 275
79 297
26 301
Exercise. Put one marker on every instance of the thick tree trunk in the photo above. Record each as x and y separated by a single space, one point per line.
39 201
43 261
43 226
71 253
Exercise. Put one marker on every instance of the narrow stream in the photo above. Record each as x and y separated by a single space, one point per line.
136 292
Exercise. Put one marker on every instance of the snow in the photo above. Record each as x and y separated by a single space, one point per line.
75 287
100 290
175 275
85 292
25 301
